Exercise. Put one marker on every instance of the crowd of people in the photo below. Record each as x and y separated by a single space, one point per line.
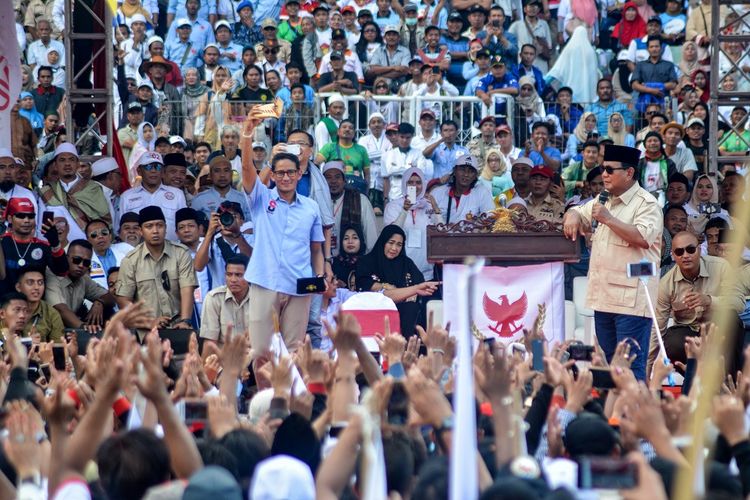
172 316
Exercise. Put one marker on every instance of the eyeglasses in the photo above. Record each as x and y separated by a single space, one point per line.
303 143
152 166
679 252
80 260
280 174
25 216
381 86
165 281
370 31
95 234
611 170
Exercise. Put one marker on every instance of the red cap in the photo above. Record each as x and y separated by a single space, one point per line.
392 126
19 206
502 128
486 119
542 170
348 8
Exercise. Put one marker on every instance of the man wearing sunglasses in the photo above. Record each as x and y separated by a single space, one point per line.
630 226
690 294
153 192
106 255
68 293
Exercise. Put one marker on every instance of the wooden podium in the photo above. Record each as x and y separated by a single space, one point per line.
503 237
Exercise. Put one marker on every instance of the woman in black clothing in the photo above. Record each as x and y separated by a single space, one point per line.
387 268
351 247
251 89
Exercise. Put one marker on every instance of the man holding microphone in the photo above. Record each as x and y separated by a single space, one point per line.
627 229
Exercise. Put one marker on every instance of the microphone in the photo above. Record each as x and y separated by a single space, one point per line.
603 198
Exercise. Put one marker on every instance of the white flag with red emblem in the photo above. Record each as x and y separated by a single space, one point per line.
508 299
10 70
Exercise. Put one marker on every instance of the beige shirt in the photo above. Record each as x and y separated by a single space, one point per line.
62 290
221 308
743 281
609 288
549 208
142 277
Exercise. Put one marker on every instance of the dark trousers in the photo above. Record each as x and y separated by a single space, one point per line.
674 343
612 328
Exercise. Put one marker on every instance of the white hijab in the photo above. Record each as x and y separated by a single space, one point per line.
578 67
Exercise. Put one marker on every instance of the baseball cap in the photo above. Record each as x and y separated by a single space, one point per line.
410 7
391 127
427 112
502 128
183 21
523 160
150 157
176 139
337 54
135 107
416 59
337 33
455 16
466 159
259 145
155 38
488 118
654 19
348 9
476 8
19 206
541 170
146 83
103 166
268 23
390 27
325 7
483 53
695 121
221 23
497 60
364 13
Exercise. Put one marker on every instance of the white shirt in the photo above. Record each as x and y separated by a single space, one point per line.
36 53
97 273
169 199
420 142
637 55
376 150
395 163
322 137
476 201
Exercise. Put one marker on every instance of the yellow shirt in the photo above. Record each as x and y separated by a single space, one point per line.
609 288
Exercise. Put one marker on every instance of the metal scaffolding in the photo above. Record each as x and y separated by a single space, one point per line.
89 58
725 31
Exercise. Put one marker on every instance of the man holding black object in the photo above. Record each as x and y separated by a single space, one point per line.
629 230
288 246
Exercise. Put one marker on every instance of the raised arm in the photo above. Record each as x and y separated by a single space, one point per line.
249 174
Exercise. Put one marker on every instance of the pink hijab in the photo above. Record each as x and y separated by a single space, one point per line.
585 10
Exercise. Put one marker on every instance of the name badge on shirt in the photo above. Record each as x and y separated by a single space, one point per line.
197 296
414 238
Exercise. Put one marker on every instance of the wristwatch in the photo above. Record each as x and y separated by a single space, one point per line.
329 260
445 426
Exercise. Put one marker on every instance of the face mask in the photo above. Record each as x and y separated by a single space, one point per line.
411 21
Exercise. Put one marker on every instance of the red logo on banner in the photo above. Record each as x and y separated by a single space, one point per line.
505 314
4 84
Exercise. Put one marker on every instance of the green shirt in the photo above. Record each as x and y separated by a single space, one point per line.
355 157
48 323
288 32
734 142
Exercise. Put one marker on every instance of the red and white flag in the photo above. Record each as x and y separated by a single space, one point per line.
370 309
10 70
507 299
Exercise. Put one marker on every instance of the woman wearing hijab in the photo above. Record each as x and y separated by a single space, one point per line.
27 109
631 26
213 108
689 62
530 105
28 82
704 204
129 8
582 13
577 67
352 247
414 217
146 142
387 269
617 131
495 175
192 93
586 127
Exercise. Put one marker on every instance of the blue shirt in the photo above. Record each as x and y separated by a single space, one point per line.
283 233
460 45
201 35
535 72
489 82
231 48
286 95
567 126
263 9
553 153
208 201
303 186
443 159
175 50
177 7
602 114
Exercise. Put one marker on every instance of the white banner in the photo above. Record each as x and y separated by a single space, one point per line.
507 299
10 70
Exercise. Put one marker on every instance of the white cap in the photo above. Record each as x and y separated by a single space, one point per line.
137 18
150 157
522 160
176 139
65 147
391 27
284 477
183 21
375 115
6 153
155 38
224 23
103 166
145 83
336 98
334 165
259 145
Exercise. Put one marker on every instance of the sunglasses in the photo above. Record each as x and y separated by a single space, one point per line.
381 86
95 234
679 252
611 170
270 51
165 281
24 216
80 260
152 166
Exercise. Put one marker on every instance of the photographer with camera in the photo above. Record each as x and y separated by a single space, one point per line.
224 239
630 225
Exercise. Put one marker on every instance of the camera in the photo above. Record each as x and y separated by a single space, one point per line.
226 218
580 352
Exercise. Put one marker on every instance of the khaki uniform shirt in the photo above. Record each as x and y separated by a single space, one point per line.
124 134
220 308
713 280
47 321
743 282
62 290
39 9
609 288
143 278
548 209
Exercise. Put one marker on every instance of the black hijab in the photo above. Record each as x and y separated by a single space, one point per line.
345 263
375 267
